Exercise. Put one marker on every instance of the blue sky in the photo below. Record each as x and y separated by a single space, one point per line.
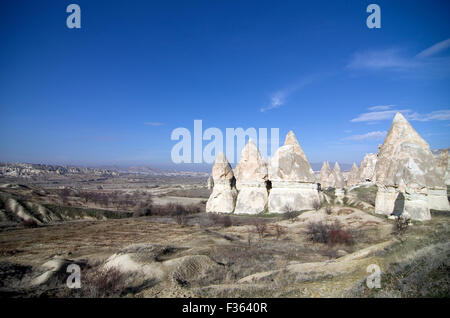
111 92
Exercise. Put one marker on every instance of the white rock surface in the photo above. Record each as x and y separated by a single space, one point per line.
407 175
251 177
338 177
353 176
223 196
293 181
367 168
443 165
325 173
210 183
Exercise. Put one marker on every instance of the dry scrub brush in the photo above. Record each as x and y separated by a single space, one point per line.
329 233
280 230
260 228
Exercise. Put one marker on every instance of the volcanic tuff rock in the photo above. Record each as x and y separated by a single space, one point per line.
443 165
251 166
293 181
401 131
223 196
324 175
251 177
339 182
367 168
27 170
210 183
289 163
407 176
353 177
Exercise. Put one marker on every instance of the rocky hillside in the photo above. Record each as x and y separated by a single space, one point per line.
27 170
16 209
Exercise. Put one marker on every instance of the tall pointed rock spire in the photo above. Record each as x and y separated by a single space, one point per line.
251 177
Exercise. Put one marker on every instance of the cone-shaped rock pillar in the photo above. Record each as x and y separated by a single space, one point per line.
367 168
339 182
325 172
251 178
223 196
294 186
406 172
353 176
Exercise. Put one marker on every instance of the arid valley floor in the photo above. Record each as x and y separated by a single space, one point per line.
136 235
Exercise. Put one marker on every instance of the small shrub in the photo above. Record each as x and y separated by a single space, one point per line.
219 220
328 233
260 228
101 283
143 209
280 230
290 215
249 239
340 236
401 225
345 201
226 221
181 219
29 224
317 232
214 218
179 213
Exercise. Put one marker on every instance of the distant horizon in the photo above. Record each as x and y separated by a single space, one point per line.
113 91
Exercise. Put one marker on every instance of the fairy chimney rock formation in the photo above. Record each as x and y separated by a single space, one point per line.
443 165
353 176
223 196
339 182
324 176
210 183
293 181
251 178
367 168
407 176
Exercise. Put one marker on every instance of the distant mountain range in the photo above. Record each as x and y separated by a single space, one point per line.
28 170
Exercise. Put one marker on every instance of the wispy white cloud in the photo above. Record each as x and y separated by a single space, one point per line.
381 115
379 59
153 123
277 100
434 49
380 107
373 135
423 64
435 115
374 116
280 97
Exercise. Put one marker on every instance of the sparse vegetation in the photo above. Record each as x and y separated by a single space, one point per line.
329 233
260 228
220 220
366 193
280 230
291 215
330 192
29 224
99 282
226 221
271 259
401 225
